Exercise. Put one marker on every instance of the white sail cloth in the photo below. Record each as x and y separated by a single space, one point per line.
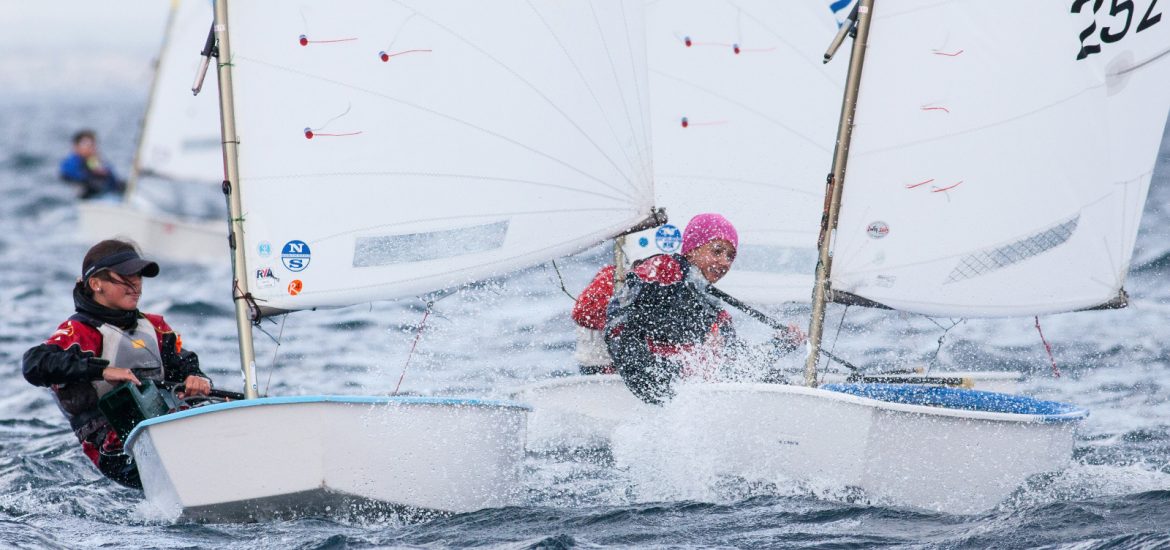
760 109
395 148
994 170
181 136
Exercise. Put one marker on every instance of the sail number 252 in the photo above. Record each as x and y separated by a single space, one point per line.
1123 10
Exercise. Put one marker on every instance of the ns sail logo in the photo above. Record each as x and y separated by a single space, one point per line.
295 255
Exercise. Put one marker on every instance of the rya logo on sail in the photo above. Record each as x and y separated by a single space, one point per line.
265 278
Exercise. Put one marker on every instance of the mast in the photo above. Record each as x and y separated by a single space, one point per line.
833 191
231 176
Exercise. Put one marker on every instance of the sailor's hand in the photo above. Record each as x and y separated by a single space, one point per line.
789 338
115 376
195 386
794 334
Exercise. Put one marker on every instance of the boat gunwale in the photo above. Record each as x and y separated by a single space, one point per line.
408 400
1077 414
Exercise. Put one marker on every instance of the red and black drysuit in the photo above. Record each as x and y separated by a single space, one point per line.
71 362
663 312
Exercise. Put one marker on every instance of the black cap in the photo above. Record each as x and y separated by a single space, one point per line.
126 262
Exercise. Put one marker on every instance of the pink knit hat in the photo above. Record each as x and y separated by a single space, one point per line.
704 228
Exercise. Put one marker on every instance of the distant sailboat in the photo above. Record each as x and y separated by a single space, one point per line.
377 150
178 164
987 165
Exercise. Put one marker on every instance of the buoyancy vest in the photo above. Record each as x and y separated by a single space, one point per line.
136 349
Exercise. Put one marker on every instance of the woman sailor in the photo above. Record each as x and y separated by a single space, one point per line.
665 324
105 343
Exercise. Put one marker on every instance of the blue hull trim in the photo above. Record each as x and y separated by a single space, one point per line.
963 399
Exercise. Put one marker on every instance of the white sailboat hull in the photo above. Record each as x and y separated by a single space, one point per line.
930 457
577 411
277 457
159 235
583 411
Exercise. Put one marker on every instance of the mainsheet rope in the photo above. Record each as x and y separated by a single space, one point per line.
413 345
1048 348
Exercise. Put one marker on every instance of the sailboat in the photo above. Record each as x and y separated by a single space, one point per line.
997 166
740 105
376 150
174 182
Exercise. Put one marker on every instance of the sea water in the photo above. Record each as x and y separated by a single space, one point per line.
498 334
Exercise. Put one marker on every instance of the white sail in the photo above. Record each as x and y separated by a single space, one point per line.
180 137
995 170
759 107
394 148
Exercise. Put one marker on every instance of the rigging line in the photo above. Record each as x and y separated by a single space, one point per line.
526 82
1048 348
413 345
829 356
451 118
561 280
268 383
585 82
941 337
250 300
743 106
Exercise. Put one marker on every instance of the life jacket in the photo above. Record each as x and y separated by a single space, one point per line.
664 325
666 300
138 349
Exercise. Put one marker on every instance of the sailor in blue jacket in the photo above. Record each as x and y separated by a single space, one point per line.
84 168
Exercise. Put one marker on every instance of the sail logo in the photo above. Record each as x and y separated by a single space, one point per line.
668 238
295 255
265 278
877 230
264 249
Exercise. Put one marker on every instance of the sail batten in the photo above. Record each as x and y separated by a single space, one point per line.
393 149
970 127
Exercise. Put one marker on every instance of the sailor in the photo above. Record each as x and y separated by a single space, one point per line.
105 343
666 325
88 171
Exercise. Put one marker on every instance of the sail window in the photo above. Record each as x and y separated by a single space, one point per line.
435 245
986 261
